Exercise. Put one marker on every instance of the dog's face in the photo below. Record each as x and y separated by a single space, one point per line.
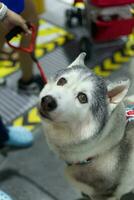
77 98
70 96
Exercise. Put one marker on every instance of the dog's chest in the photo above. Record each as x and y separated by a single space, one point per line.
101 176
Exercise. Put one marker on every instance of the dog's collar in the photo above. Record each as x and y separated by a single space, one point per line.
83 162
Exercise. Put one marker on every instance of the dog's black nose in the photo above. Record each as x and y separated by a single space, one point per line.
48 103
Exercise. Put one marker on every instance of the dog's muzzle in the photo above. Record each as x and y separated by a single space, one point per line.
48 103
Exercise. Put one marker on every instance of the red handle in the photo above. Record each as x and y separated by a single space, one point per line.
30 48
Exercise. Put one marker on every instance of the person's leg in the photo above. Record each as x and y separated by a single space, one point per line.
2 36
2 41
29 82
26 62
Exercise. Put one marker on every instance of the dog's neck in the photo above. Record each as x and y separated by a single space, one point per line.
110 136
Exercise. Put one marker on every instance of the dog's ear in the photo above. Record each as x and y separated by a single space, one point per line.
79 60
117 91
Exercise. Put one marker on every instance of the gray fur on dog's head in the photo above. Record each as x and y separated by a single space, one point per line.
79 100
97 92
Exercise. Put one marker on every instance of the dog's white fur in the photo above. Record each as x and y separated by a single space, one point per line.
75 134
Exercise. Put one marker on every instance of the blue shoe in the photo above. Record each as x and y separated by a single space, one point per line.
4 196
19 137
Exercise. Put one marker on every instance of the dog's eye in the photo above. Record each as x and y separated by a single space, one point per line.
62 81
82 97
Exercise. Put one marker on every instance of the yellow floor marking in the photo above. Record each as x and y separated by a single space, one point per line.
7 71
98 71
108 65
118 57
5 63
33 116
18 121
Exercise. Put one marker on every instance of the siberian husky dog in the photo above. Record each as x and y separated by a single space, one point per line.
85 123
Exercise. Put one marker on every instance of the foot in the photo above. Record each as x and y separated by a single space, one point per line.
19 137
4 196
33 86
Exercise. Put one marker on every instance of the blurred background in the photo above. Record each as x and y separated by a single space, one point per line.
66 28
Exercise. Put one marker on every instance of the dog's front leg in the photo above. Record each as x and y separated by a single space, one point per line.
102 198
112 198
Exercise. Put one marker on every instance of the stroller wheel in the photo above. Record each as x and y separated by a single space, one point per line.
69 23
80 16
69 13
69 17
73 17
86 46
